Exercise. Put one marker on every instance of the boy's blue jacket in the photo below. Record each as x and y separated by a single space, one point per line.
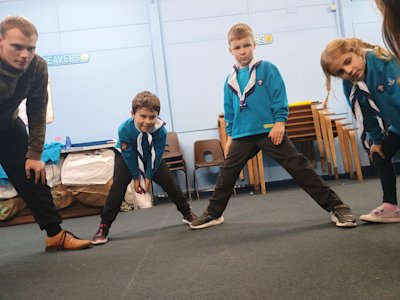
127 142
383 81
266 104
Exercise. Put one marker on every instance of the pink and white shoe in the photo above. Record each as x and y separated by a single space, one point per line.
386 213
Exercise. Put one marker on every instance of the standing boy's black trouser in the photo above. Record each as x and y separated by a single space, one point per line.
242 149
387 174
14 147
122 177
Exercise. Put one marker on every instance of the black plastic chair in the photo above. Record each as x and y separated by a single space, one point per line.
173 158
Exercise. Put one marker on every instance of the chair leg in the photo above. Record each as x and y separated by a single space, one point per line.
342 147
325 140
187 185
255 174
260 162
346 137
195 184
354 148
318 134
331 140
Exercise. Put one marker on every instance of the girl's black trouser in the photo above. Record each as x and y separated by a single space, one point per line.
387 174
122 177
13 149
242 149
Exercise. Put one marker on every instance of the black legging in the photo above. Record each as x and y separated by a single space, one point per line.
387 174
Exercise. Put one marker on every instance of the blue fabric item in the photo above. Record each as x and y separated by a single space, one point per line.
3 174
51 152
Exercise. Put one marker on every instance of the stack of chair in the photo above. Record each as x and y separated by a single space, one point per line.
173 158
307 124
347 141
303 126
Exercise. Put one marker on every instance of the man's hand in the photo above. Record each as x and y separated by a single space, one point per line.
277 133
376 149
37 166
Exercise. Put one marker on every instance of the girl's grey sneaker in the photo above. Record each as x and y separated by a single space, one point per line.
382 215
205 220
343 217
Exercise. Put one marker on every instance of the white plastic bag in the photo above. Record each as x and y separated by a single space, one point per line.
138 201
88 167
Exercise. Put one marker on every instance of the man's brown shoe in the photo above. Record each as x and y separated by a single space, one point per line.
65 240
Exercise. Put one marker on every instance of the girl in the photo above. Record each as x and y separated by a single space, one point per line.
371 83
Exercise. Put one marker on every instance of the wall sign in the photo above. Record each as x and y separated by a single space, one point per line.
67 59
263 39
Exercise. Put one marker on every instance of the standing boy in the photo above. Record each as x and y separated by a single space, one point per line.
142 140
23 74
256 109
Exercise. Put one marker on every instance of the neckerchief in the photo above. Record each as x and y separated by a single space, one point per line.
360 88
149 137
249 89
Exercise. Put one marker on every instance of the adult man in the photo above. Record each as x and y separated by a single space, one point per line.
23 74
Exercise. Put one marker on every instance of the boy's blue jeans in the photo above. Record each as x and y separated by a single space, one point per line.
242 149
122 177
387 174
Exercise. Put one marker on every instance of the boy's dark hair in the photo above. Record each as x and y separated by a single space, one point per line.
146 100
240 31
21 23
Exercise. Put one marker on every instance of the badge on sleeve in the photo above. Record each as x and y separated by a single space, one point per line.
391 80
380 87
123 146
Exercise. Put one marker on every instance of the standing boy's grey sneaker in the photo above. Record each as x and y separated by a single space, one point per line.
205 220
343 217
189 217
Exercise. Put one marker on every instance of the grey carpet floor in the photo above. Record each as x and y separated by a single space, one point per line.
278 246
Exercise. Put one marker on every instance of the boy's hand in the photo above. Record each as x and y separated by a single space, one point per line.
138 188
376 149
147 183
227 146
277 133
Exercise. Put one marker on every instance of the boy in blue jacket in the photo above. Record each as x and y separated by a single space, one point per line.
142 140
256 109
